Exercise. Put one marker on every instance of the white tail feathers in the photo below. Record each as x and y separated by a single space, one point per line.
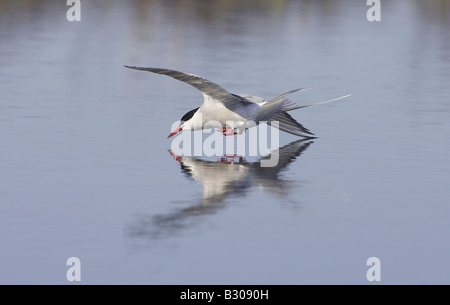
328 101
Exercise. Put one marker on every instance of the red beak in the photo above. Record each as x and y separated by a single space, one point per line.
175 132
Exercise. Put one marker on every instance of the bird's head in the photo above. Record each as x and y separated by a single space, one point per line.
186 122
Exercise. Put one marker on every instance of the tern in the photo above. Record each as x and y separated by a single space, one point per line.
235 112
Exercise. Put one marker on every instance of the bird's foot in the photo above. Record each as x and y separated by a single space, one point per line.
225 130
230 158
229 132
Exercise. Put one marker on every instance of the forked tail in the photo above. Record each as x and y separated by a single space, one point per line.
280 105
303 106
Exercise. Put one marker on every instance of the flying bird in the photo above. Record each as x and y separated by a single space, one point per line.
235 112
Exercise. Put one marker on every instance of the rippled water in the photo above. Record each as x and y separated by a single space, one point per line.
85 169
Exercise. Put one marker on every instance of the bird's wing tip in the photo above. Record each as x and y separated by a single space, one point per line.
130 67
300 89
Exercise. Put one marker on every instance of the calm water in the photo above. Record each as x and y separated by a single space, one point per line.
85 169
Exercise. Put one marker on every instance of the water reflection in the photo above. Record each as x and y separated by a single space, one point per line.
221 179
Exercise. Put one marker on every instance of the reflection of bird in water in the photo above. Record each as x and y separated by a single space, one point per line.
220 180
226 177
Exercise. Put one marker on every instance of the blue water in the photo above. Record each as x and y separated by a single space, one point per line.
85 169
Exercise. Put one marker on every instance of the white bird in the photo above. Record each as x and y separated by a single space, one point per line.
235 112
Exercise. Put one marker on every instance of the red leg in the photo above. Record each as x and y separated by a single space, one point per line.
229 132
230 158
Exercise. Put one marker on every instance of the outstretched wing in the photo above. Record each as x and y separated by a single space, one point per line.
210 89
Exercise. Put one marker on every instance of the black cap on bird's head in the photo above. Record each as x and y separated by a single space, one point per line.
188 115
184 119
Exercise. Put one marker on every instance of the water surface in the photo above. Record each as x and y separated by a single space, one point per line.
85 169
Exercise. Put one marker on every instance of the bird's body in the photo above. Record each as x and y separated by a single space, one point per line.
239 118
234 112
